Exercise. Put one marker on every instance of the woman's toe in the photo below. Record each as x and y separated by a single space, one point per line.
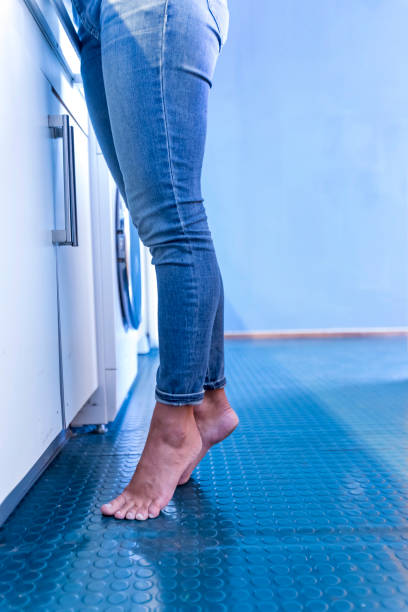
121 513
154 510
114 505
131 514
141 514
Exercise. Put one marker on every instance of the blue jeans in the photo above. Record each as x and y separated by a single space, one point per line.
147 71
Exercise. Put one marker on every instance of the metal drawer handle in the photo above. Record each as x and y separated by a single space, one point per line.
60 127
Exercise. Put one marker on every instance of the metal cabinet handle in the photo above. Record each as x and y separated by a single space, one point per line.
60 127
73 209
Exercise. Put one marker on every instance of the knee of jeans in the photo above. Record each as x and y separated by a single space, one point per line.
171 254
172 231
167 243
184 248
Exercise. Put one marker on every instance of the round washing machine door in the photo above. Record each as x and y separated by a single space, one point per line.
128 262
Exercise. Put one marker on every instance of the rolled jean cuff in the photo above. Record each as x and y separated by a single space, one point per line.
217 384
179 399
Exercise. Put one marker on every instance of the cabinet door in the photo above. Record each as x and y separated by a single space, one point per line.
76 293
29 343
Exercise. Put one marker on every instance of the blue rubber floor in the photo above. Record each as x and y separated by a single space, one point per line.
304 507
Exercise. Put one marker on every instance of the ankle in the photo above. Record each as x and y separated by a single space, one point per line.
215 403
215 395
172 417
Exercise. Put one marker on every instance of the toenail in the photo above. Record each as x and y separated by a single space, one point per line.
140 517
152 516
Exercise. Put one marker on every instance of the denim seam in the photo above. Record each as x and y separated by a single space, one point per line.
179 394
214 386
162 88
176 403
214 382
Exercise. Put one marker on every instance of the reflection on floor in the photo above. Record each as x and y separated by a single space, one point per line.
305 507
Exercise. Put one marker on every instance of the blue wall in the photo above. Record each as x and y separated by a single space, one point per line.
306 168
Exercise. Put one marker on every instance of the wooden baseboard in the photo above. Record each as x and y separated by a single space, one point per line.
317 333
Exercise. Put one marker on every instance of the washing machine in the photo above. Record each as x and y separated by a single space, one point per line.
125 296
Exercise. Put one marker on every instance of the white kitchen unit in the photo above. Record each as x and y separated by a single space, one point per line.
76 287
48 355
126 296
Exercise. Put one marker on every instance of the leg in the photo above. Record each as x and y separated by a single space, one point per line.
95 96
162 185
157 60
214 416
215 378
94 89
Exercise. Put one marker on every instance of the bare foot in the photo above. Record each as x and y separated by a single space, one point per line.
172 443
215 421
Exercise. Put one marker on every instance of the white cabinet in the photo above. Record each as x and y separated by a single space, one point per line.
76 294
29 344
48 363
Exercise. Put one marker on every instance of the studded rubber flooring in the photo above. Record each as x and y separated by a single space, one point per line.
305 507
